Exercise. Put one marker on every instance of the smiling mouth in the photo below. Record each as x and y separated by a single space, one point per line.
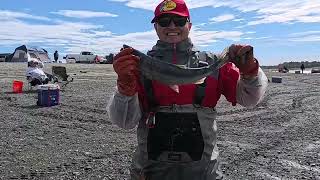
173 34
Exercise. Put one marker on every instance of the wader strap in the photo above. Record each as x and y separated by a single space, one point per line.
150 95
199 93
151 103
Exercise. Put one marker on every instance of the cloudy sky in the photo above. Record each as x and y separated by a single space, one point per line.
287 30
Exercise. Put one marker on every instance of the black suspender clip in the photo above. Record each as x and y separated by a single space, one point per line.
150 120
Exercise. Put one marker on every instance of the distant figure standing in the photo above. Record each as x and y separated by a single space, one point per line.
56 56
302 67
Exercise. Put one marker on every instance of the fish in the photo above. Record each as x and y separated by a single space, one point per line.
172 74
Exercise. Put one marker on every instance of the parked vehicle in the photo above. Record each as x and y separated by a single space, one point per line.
315 70
82 57
71 60
4 56
108 59
101 60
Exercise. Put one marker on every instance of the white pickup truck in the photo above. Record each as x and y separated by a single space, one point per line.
82 57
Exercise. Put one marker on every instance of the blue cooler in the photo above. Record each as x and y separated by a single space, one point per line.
48 95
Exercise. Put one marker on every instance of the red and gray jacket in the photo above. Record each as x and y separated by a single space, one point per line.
198 100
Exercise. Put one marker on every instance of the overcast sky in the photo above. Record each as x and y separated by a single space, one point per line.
287 30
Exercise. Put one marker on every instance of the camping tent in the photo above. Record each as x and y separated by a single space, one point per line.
3 56
24 53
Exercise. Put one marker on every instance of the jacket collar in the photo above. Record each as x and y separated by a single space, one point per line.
185 45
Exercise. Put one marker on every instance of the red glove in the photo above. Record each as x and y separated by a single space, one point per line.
125 64
242 57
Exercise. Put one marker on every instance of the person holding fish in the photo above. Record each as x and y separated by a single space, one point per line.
175 119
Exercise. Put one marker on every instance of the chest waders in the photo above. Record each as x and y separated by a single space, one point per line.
175 145
173 137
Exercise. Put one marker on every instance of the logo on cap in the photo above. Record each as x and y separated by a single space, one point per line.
168 5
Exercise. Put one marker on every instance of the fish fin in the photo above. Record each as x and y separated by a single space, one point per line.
175 88
200 81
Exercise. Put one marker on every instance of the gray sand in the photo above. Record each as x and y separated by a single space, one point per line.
278 139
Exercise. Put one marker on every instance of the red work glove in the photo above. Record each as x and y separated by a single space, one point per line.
242 56
125 64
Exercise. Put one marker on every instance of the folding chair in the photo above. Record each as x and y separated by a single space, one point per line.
60 75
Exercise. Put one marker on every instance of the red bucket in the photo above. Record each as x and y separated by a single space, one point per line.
17 86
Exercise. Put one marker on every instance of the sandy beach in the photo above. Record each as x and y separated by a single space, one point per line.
278 139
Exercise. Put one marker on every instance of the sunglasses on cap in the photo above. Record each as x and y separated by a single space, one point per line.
178 21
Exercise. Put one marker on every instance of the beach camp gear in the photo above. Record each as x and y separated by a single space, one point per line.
17 86
25 53
276 79
48 95
60 75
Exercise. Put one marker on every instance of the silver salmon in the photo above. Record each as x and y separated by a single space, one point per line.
172 74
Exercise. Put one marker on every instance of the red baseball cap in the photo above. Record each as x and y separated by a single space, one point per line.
177 7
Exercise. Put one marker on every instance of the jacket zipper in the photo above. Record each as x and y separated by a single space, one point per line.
174 58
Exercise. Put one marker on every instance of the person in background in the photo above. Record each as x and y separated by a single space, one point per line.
35 74
176 126
56 56
302 68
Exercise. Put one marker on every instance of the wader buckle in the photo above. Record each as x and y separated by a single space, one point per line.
151 120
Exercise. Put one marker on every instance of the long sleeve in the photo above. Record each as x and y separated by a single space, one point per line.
250 92
124 111
35 73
